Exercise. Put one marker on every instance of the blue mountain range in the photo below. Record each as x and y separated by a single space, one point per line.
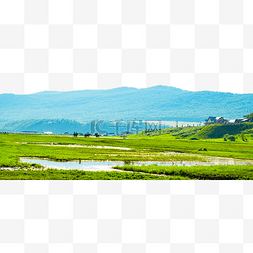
154 103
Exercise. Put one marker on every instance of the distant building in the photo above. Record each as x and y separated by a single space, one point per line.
48 133
110 134
220 120
125 133
210 120
29 132
232 121
238 121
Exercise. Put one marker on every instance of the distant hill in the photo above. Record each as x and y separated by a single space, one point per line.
159 102
218 131
203 132
177 132
55 126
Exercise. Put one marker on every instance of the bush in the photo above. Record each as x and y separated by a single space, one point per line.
225 137
231 138
243 136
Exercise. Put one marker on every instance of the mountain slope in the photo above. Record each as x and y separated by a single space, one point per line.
159 102
55 126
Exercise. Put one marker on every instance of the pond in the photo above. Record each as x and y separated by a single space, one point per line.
76 165
104 165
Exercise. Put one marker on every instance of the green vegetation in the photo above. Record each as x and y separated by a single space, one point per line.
214 131
250 116
53 174
182 132
13 147
218 131
229 137
165 147
215 172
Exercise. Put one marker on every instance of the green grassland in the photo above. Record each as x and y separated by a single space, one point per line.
146 146
53 174
215 172
214 131
179 132
218 131
11 150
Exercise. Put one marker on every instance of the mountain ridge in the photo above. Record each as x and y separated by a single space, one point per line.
157 102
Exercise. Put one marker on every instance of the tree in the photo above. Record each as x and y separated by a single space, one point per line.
250 116
231 138
225 137
243 136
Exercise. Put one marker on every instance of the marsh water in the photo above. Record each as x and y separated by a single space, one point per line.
108 165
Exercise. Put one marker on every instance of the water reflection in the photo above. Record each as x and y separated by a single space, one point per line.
103 165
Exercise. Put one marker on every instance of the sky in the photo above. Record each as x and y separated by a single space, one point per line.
69 45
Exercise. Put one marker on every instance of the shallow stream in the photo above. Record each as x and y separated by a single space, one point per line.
108 165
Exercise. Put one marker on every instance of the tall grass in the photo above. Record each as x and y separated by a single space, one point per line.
215 172
53 174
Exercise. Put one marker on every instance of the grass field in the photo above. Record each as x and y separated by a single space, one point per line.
52 174
143 147
216 172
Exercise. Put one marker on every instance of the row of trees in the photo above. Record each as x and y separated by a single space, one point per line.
233 138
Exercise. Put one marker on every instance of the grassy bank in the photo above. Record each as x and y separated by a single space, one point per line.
213 131
150 172
53 174
215 172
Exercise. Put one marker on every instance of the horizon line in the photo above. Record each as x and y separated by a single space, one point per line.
114 88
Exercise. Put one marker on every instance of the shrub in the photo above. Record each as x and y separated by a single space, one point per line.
231 138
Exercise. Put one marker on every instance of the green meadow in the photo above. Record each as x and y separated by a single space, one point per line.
212 172
191 144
